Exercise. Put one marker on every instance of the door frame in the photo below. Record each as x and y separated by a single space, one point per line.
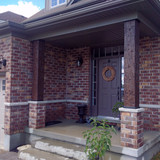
94 98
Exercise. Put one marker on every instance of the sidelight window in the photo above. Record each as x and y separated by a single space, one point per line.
122 79
3 85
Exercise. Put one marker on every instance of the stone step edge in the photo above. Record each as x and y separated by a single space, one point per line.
34 154
56 136
70 153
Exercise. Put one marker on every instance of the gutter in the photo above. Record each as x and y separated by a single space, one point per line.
12 24
11 28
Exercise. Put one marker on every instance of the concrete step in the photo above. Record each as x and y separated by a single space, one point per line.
35 154
61 148
55 135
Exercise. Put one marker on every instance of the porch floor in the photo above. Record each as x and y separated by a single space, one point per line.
71 129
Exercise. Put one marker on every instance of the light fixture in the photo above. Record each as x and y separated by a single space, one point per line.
79 61
2 62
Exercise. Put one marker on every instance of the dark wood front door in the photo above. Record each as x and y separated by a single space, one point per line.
109 90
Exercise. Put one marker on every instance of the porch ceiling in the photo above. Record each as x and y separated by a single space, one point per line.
111 35
96 27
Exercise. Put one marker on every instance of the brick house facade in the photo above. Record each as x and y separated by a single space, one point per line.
44 83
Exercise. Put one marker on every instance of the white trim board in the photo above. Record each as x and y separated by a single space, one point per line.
43 102
58 101
16 104
71 101
149 106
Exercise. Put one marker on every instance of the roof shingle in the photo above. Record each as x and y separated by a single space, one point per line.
12 17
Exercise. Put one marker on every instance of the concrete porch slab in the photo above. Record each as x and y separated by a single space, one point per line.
70 131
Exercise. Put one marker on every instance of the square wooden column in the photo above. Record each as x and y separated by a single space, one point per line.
131 64
131 114
38 70
36 109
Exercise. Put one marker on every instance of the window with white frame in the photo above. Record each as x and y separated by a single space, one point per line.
56 3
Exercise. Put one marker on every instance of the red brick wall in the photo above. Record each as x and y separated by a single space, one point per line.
17 52
16 119
64 80
152 119
150 80
54 73
71 111
21 71
5 51
55 111
77 79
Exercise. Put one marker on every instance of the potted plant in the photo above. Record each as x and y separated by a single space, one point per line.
115 111
98 139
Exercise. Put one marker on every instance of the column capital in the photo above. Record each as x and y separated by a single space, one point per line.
137 110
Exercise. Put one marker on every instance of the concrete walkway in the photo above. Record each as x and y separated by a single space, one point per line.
8 155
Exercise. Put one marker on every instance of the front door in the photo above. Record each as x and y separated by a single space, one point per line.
109 85
2 110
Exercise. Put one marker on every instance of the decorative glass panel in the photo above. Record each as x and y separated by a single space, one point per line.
107 52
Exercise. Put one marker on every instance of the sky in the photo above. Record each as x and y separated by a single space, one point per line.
23 7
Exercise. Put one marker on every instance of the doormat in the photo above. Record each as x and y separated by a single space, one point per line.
52 123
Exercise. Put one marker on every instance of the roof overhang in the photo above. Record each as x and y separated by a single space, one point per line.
99 20
11 28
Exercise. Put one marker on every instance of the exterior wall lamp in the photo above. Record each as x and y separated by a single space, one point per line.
79 61
2 62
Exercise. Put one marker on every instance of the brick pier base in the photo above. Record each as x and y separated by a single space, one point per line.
36 115
132 127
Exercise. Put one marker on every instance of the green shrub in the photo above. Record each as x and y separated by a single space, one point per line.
98 139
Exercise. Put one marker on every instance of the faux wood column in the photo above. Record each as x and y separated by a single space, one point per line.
131 114
36 109
131 64
38 70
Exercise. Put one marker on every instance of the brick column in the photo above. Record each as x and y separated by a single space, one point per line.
36 115
37 109
131 114
132 127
